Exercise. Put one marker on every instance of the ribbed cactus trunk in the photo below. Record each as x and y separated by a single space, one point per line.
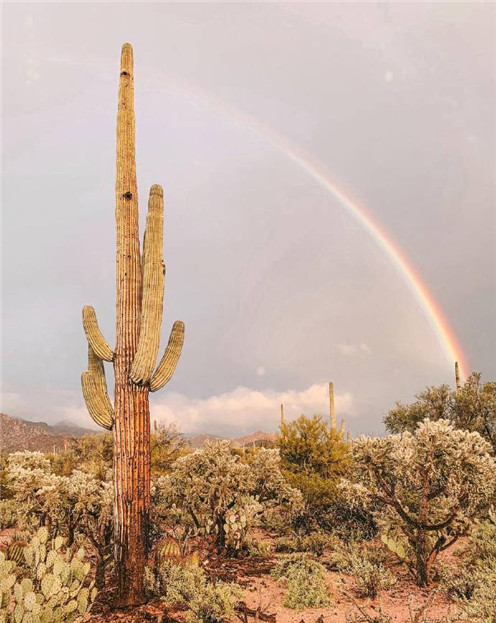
131 407
139 304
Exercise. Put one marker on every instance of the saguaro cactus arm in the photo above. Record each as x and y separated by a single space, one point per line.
95 393
94 335
153 290
168 363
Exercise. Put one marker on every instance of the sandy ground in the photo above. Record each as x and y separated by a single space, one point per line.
262 592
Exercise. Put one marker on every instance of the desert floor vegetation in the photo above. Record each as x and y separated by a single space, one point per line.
400 528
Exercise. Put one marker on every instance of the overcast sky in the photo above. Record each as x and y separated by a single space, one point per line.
281 290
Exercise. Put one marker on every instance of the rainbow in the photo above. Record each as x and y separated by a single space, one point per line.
431 308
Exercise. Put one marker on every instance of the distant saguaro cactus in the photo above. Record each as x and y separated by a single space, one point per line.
139 304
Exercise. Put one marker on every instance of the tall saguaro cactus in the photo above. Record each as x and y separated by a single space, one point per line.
139 304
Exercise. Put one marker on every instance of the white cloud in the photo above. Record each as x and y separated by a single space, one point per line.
348 350
238 411
48 405
245 409
9 401
260 370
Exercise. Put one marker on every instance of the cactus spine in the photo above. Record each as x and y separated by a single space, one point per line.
139 304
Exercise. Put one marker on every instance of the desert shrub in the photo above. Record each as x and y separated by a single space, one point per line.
46 586
366 562
482 606
257 549
188 587
288 544
313 458
167 444
370 576
473 583
315 543
8 513
353 522
91 454
472 407
428 487
277 522
306 585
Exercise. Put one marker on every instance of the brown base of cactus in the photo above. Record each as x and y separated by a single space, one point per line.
132 490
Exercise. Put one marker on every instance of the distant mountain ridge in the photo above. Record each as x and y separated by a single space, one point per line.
258 438
17 434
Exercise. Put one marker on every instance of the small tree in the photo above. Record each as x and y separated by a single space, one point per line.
166 444
472 407
428 486
313 457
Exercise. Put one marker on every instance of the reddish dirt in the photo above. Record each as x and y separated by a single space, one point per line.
262 591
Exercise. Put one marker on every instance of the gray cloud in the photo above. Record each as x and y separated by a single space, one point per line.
396 101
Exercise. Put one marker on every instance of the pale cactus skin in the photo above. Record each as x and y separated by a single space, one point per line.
139 304
44 585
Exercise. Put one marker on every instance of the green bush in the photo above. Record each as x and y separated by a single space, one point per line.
8 512
471 407
306 585
473 583
366 563
316 543
188 586
255 548
370 576
313 458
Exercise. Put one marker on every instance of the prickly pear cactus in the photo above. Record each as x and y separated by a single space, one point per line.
46 586
235 527
394 546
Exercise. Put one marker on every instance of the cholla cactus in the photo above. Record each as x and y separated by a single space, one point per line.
140 290
220 494
76 504
47 586
207 484
35 490
429 486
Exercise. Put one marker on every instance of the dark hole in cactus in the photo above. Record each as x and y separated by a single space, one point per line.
124 73
128 195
